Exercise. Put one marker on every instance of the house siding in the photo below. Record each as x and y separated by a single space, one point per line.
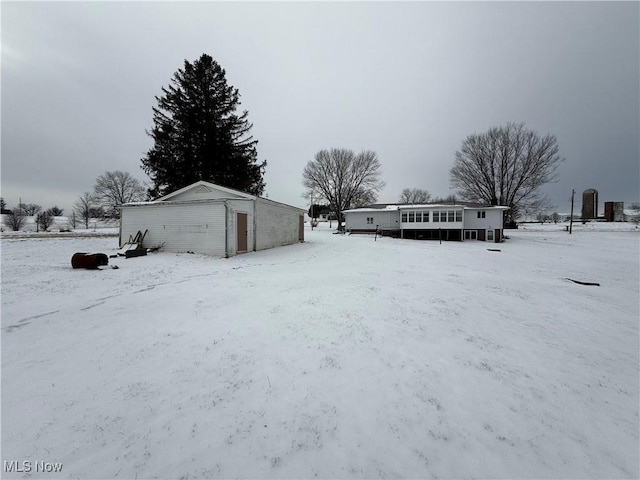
492 220
385 219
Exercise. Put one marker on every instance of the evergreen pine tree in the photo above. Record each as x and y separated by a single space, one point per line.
199 135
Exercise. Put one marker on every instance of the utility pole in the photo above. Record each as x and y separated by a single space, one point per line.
573 192
312 211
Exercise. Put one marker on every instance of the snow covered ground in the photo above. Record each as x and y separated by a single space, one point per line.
342 357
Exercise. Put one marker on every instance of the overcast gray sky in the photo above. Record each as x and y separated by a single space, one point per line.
409 81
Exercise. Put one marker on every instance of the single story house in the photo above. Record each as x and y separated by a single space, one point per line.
430 221
213 220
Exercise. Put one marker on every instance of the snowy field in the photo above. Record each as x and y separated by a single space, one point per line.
342 357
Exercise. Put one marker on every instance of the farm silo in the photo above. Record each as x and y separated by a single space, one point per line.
589 204
614 211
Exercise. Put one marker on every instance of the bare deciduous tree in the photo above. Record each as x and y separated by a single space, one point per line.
83 207
72 221
31 209
635 215
55 211
44 220
505 166
343 178
448 199
112 189
414 196
537 210
15 220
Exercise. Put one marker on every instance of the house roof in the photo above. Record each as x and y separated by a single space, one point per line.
403 206
373 208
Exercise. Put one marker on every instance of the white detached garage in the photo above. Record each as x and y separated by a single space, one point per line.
213 220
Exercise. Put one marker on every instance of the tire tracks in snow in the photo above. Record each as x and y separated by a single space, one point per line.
23 322
26 321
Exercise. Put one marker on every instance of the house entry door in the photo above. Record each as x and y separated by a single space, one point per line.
241 229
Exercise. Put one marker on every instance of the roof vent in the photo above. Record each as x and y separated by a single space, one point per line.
202 189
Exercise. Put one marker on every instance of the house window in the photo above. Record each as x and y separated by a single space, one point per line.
482 214
418 217
425 216
458 215
404 217
436 216
452 216
470 234
411 217
490 235
369 220
443 215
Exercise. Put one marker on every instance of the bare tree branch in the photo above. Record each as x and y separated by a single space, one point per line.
343 178
505 166
414 196
113 189
83 207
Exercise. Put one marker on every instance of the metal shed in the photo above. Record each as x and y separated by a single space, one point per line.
213 220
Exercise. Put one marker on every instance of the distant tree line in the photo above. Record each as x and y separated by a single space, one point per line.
414 196
16 218
111 190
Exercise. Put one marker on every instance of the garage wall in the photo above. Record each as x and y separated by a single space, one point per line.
276 224
242 206
210 226
181 227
